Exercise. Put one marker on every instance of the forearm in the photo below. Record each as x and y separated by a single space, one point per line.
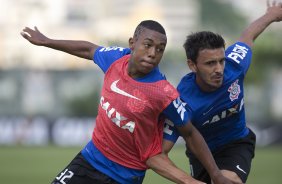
162 165
255 29
273 14
81 49
199 148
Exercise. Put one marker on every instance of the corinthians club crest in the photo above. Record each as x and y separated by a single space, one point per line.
234 90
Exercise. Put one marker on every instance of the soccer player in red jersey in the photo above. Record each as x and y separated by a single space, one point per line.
135 99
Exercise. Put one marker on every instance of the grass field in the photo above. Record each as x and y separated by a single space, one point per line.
33 165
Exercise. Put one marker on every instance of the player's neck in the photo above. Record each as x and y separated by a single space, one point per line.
133 72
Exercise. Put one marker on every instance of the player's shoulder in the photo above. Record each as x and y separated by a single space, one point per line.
164 86
111 53
239 45
114 49
187 82
158 74
167 88
154 76
238 59
237 52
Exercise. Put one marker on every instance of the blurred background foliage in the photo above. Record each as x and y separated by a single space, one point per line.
37 81
220 17
51 98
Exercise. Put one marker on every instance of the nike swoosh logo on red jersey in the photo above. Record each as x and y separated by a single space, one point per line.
115 89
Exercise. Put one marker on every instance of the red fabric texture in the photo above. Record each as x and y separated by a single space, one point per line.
129 129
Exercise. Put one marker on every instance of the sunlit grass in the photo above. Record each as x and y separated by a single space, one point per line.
33 165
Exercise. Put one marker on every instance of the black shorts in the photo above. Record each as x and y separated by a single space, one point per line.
79 171
235 156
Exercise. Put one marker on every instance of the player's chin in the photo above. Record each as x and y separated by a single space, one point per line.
146 70
216 84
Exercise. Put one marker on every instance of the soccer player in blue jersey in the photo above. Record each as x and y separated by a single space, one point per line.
135 98
214 97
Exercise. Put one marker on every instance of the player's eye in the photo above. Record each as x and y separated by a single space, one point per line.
210 63
160 49
147 45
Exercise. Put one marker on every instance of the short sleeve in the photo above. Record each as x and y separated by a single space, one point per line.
240 55
170 131
177 112
105 56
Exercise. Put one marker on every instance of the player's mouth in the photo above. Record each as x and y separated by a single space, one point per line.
217 78
148 64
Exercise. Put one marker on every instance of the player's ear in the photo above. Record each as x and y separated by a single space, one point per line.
191 65
131 43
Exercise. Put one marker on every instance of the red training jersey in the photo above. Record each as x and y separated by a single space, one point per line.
128 127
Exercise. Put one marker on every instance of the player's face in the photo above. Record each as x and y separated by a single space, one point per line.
147 51
209 69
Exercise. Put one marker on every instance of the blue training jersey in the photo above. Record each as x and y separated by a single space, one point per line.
218 115
104 57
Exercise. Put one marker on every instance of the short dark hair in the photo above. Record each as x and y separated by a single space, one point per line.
198 41
149 24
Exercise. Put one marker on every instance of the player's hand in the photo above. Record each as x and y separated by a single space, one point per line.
274 9
34 36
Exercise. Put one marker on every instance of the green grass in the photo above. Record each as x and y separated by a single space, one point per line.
33 165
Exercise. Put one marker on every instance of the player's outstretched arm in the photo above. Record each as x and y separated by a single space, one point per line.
273 14
83 49
162 165
198 146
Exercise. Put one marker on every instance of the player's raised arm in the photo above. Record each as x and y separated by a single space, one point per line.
273 14
83 49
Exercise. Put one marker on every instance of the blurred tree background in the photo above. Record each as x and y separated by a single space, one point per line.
223 18
52 98
44 83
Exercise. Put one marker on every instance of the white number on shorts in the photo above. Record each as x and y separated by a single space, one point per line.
64 175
